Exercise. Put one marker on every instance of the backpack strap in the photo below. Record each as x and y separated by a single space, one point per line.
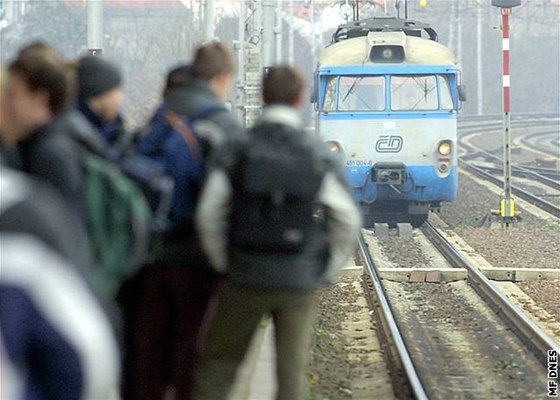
179 125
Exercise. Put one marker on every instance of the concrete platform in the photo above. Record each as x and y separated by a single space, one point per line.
457 274
256 378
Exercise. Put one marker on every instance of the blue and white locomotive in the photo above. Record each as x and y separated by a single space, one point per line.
387 98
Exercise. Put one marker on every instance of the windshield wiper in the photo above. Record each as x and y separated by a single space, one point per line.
356 81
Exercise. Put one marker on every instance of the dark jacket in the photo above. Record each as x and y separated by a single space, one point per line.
9 156
51 154
182 245
322 257
33 207
194 96
113 132
30 206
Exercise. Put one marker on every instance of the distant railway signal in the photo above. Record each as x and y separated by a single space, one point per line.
506 213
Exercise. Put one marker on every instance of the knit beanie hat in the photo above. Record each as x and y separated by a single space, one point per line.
96 76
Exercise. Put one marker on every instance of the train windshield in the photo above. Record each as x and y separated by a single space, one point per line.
355 93
420 92
368 93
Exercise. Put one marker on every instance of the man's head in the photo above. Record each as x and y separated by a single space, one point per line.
37 91
38 48
214 63
99 86
177 77
283 85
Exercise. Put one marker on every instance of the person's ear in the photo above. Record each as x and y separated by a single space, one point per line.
300 100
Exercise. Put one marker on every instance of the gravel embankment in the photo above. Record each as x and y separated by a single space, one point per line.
403 252
533 243
346 360
545 294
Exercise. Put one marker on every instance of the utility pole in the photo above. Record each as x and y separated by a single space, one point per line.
479 75
240 48
278 32
459 34
268 24
208 20
95 27
313 34
451 38
506 214
251 64
291 34
405 9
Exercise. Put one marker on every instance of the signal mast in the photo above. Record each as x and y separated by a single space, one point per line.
506 214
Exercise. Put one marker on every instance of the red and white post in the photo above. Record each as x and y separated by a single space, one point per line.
507 205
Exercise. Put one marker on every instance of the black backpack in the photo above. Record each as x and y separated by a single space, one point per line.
275 183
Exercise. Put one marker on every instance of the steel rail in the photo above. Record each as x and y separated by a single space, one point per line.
523 172
389 320
526 140
537 201
475 152
551 173
529 332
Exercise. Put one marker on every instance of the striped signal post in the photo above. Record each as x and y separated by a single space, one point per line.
507 213
507 204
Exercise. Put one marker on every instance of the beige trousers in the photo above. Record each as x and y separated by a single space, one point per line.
235 319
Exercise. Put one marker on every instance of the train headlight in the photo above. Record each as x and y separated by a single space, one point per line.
444 148
387 54
334 147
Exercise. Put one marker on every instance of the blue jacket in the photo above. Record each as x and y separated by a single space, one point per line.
55 341
168 147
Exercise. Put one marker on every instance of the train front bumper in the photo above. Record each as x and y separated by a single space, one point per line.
397 181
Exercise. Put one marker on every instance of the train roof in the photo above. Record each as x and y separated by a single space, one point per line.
358 50
383 24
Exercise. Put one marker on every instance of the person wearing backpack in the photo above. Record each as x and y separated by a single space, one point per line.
62 148
45 294
165 304
277 218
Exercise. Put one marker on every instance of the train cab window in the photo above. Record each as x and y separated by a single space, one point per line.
415 92
445 93
329 103
361 93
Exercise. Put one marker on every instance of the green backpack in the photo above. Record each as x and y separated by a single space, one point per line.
119 220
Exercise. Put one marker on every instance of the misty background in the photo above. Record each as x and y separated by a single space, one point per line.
146 38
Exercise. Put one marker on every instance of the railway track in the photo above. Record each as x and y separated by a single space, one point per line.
542 142
540 202
548 178
425 347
